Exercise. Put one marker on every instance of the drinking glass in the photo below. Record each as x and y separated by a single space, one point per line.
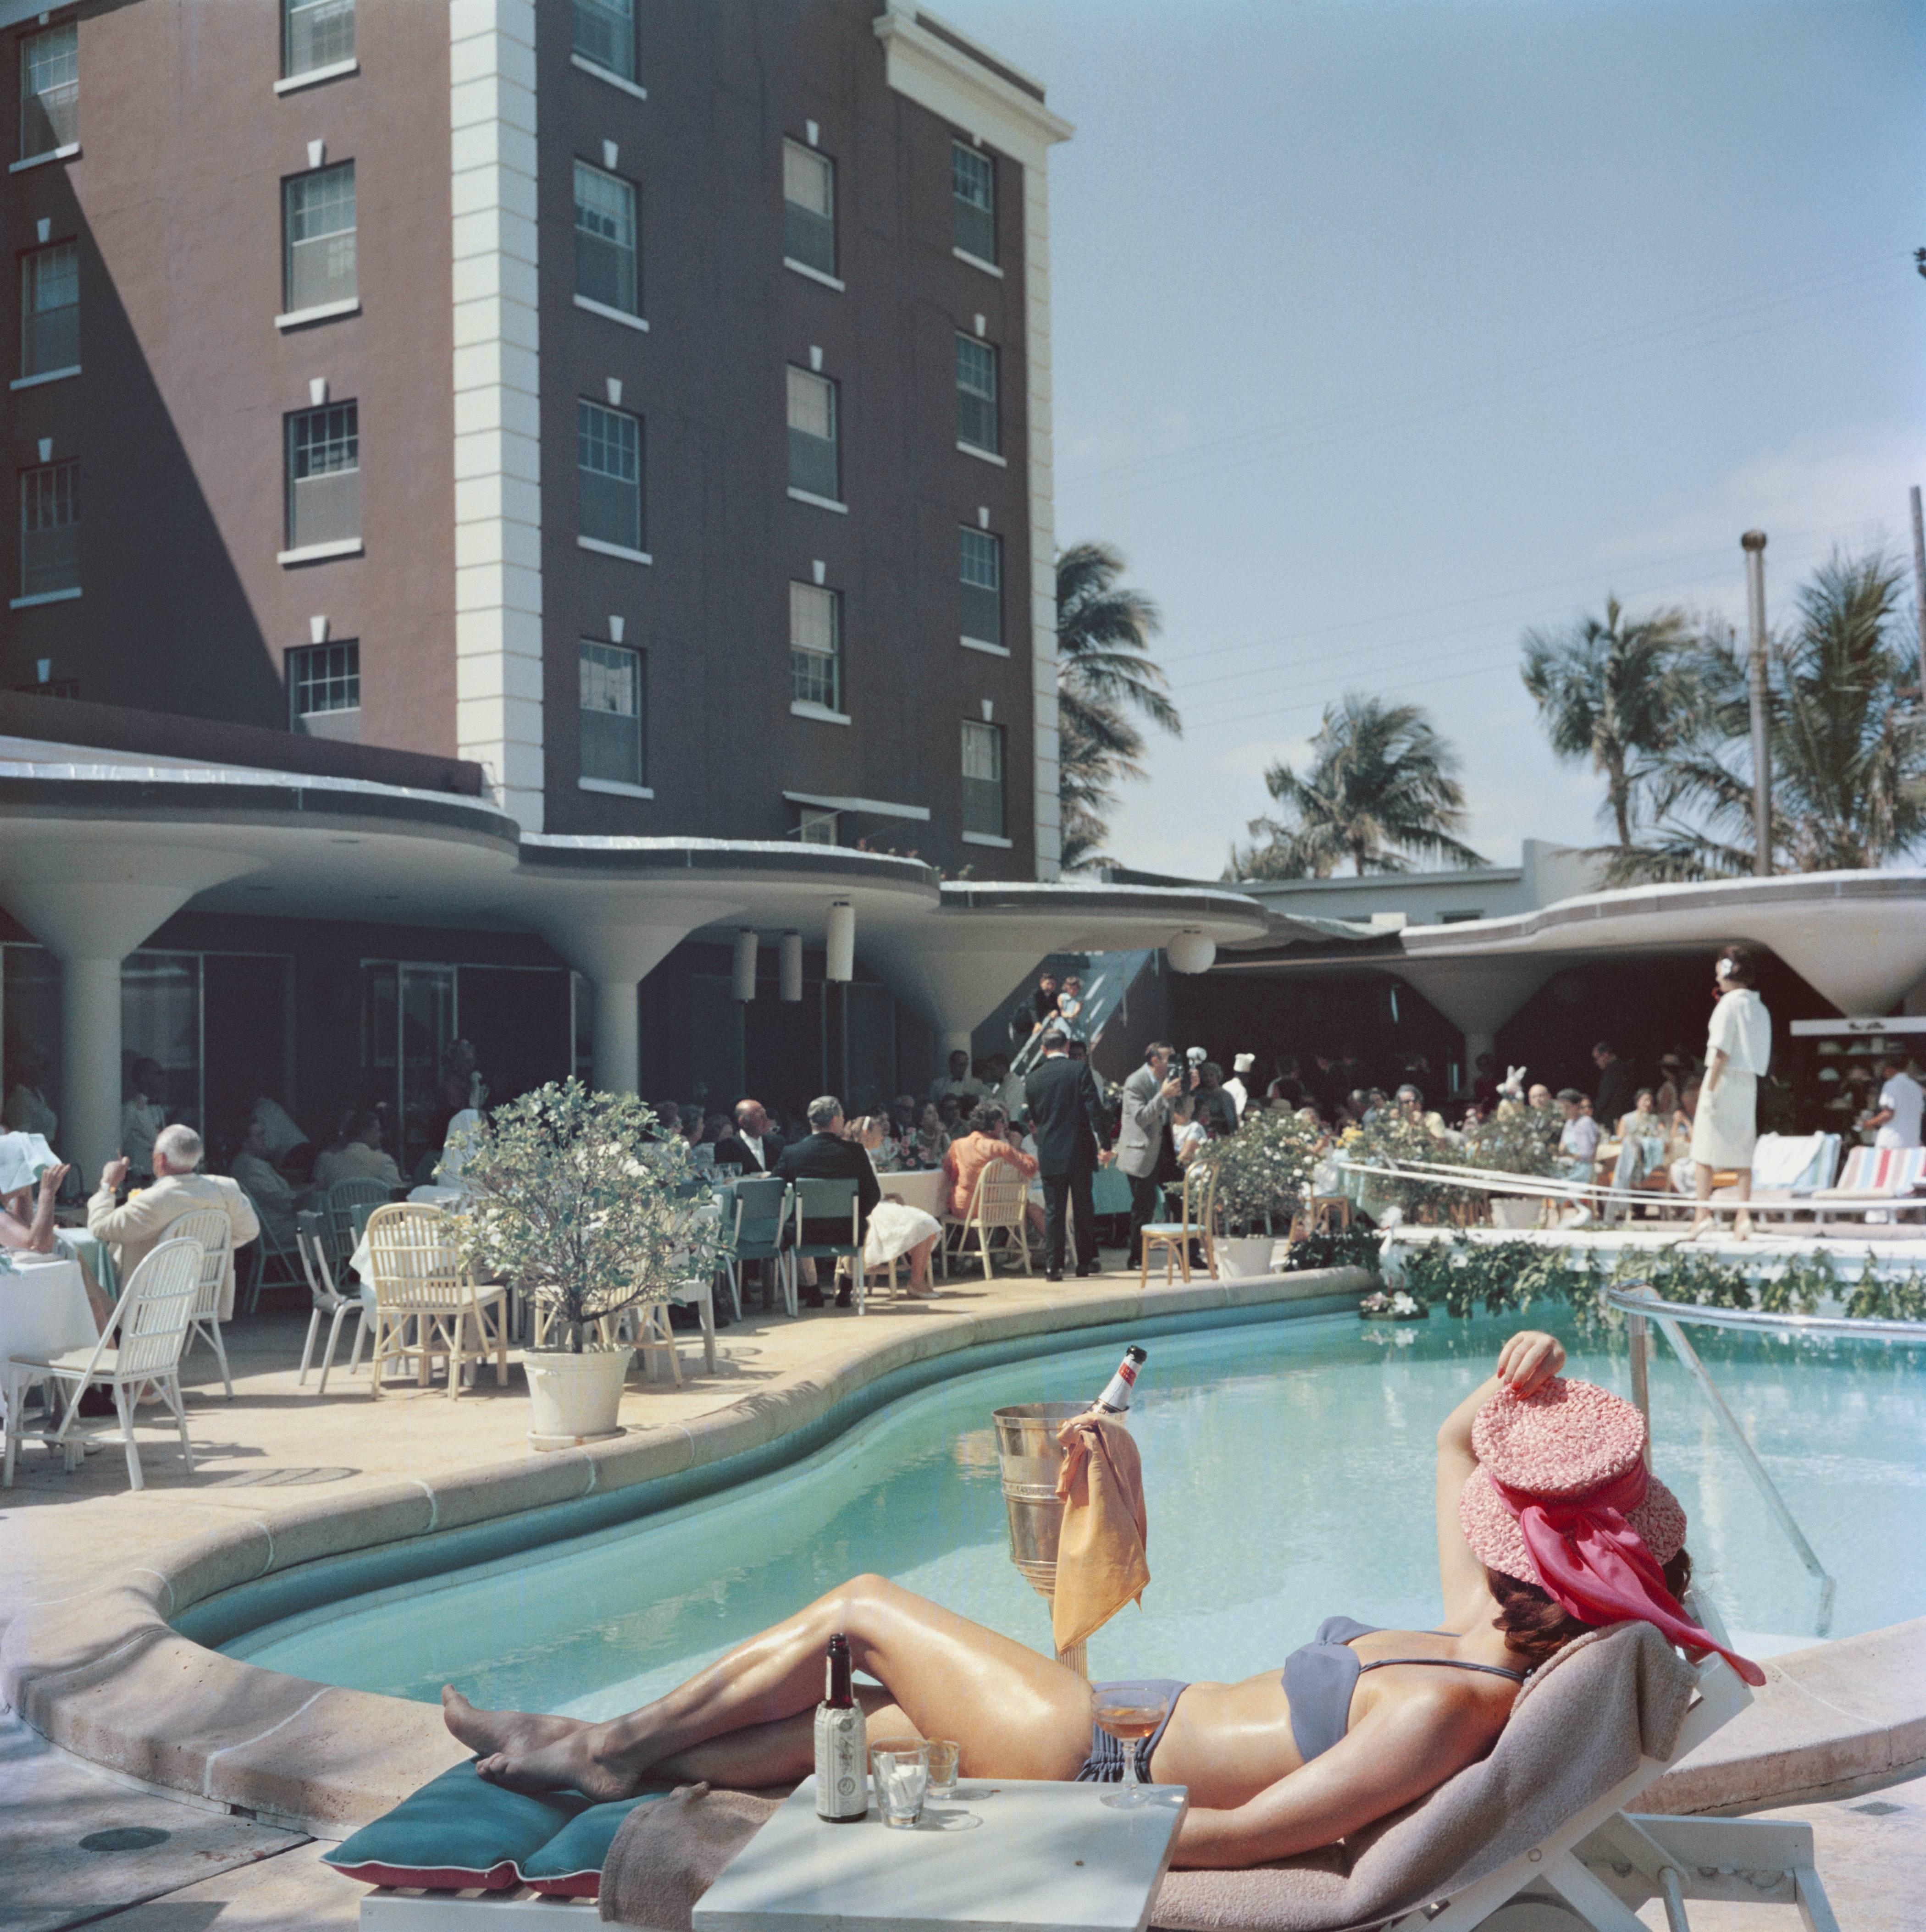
943 1754
1130 1713
900 1767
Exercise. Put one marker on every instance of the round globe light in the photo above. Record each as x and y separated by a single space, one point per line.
1191 952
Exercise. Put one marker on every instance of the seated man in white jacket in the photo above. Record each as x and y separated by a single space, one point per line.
143 1224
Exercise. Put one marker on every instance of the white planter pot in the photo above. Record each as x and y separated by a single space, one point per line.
574 1399
1512 1210
1245 1255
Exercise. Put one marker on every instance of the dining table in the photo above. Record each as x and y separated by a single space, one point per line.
43 1313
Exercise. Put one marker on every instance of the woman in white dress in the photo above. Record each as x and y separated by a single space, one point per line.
895 1229
1738 1049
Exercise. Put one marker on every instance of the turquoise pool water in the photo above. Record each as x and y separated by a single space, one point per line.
1289 1471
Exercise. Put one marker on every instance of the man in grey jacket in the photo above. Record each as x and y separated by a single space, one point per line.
1147 1095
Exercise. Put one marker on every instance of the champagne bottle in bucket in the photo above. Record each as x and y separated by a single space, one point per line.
1115 1400
842 1750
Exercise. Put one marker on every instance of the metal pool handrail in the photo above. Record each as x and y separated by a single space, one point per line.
1640 1306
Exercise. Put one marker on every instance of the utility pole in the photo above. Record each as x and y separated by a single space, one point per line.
1754 544
1919 588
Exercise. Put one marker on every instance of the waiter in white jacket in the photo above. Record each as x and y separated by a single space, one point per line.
1240 1094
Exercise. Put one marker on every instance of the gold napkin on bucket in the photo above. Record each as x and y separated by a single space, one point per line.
1100 1563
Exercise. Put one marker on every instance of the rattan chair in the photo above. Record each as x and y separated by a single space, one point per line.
215 1233
311 1242
419 1276
998 1206
1194 1223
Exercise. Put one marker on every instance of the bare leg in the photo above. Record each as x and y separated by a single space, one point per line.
1016 1713
1702 1188
1742 1220
919 1267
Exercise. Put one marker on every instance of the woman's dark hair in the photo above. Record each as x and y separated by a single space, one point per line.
988 1119
1742 972
1538 1628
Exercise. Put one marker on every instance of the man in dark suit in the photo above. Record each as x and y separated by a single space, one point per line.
752 1146
825 1155
1067 1123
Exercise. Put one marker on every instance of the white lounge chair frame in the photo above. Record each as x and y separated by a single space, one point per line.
212 1229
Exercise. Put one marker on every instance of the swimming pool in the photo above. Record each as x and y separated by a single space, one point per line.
1288 1472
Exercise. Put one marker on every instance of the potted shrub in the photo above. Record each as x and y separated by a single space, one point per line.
574 1200
1513 1141
1263 1178
1392 1137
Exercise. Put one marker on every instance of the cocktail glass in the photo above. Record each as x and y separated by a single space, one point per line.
1130 1713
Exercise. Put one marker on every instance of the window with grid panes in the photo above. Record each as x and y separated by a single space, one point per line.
315 33
976 394
50 309
323 683
815 646
608 458
318 225
983 778
604 35
815 827
809 207
981 567
50 90
605 240
49 529
613 713
813 465
324 476
973 202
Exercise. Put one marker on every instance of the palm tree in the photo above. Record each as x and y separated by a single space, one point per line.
1104 672
1847 742
1382 784
1619 693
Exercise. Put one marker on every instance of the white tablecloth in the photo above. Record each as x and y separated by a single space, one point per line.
43 1311
927 1189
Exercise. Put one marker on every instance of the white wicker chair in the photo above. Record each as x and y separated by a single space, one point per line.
418 1276
215 1233
999 1207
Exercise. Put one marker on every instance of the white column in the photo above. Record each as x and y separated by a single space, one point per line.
90 1072
618 1036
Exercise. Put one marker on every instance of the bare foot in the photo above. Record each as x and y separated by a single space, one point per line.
489 1733
570 1763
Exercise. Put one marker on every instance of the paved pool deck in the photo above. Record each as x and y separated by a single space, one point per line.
223 1774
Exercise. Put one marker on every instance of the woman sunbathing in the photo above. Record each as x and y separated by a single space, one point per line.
1547 1525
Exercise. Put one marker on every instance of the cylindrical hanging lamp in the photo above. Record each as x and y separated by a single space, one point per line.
1191 952
742 978
789 962
839 942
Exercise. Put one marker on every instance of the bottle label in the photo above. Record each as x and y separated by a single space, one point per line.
842 1788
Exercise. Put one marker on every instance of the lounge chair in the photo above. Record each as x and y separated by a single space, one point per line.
1874 1177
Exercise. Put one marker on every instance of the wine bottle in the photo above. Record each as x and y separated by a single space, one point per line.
1116 1399
841 1746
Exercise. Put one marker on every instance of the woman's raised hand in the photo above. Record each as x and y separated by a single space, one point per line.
1529 1360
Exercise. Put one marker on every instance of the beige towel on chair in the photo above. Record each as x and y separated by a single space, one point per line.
1100 1565
667 1854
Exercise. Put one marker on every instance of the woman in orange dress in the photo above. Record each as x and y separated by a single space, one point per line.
970 1153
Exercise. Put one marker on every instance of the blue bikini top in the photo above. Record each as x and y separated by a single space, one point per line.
1319 1677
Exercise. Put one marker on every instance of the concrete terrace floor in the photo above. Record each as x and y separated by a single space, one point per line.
159 1864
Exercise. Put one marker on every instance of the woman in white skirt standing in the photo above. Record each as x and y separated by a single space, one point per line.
1738 1049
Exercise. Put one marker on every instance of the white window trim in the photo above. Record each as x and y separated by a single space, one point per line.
70 152
983 644
620 315
44 597
821 502
614 788
46 376
814 274
622 550
989 838
313 77
319 553
874 808
602 73
296 318
801 707
983 455
978 262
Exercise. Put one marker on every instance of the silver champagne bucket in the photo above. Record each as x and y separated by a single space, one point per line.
1029 1460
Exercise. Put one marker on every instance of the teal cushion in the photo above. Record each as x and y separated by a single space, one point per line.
458 1832
569 1865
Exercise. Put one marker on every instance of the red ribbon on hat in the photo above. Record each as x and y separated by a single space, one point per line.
1596 1566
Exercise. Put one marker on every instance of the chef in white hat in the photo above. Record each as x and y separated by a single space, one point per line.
1240 1094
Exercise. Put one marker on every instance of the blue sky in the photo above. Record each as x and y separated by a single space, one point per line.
1383 332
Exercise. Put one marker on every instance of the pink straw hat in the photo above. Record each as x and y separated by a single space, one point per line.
1561 1445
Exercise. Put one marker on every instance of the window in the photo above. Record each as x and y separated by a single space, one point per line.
815 646
815 827
49 90
50 309
324 691
609 459
318 222
976 394
614 720
605 35
983 779
315 33
49 529
605 240
973 202
324 476
813 466
809 208
981 567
